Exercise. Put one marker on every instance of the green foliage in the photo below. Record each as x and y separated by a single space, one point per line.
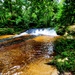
4 31
65 45
65 15
26 14
65 55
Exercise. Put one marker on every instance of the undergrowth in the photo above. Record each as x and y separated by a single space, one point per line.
4 31
65 55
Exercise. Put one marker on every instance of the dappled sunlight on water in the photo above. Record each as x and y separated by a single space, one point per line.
6 36
46 38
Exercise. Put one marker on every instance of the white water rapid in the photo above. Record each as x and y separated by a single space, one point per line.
39 31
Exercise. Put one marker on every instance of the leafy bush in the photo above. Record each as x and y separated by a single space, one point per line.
60 30
65 55
4 31
63 44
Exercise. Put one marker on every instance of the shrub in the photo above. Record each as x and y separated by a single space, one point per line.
63 44
65 55
4 31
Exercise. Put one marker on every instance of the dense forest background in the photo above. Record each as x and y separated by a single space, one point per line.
25 14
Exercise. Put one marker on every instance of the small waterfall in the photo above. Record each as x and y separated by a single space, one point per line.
42 31
39 31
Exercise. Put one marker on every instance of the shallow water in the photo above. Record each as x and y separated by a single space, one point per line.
27 56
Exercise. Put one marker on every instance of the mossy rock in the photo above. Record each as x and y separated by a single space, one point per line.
71 30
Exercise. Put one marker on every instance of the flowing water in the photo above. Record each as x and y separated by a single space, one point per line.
27 54
39 31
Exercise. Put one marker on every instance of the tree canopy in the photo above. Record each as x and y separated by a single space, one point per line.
25 14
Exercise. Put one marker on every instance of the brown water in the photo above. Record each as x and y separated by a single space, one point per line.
5 36
26 56
39 67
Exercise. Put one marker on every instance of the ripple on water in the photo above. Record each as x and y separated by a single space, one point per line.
32 47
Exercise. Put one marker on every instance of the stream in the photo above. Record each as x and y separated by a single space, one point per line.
27 53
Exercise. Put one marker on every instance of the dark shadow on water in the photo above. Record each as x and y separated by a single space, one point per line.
10 41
